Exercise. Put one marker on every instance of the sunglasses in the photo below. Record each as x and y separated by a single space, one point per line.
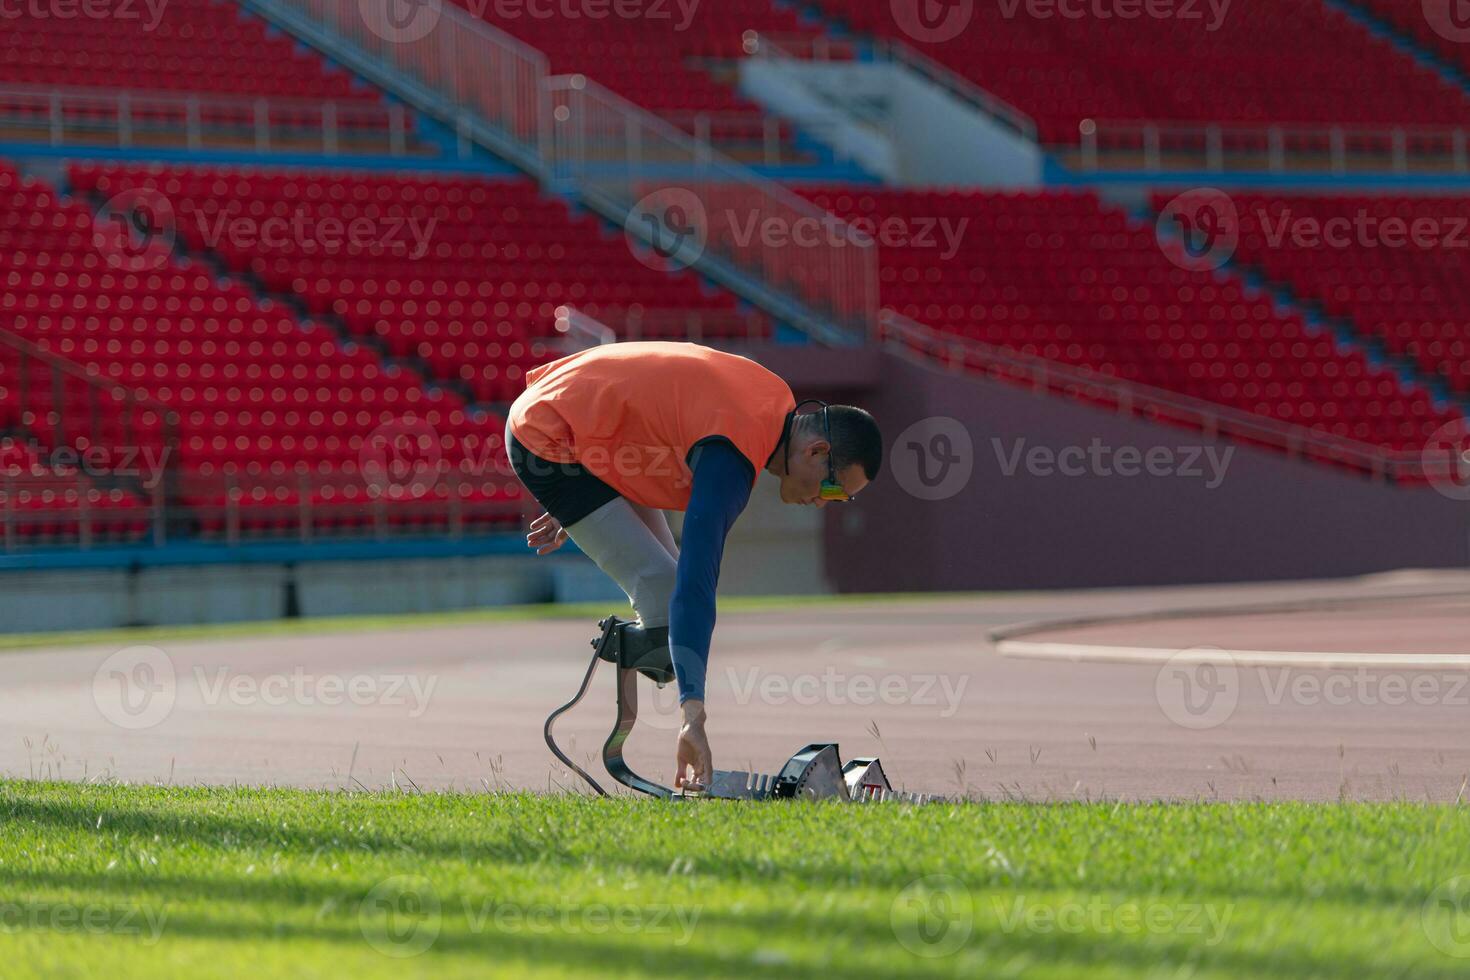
831 489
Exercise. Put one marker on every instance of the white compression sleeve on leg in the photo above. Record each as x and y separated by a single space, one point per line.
628 550
659 525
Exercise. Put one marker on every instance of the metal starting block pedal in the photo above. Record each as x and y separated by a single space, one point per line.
814 773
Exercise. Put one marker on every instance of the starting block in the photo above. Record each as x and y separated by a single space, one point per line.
814 773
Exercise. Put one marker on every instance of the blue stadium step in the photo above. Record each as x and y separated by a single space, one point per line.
1344 332
1381 28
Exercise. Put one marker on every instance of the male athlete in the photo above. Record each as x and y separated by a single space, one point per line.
607 438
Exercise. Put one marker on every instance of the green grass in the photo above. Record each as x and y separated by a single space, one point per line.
115 881
498 614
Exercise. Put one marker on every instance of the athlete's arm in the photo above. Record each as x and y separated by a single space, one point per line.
722 481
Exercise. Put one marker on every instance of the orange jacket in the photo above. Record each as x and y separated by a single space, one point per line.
630 414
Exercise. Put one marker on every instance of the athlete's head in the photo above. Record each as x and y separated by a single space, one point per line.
840 444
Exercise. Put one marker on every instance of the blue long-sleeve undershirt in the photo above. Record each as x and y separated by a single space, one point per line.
721 489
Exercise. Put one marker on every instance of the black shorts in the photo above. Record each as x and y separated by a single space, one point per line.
567 491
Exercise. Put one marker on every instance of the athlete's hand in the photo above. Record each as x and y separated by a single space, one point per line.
693 768
546 535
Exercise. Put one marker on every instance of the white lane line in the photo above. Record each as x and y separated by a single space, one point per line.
1039 650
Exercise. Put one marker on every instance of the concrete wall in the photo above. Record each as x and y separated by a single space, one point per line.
1014 524
797 90
36 601
941 140
919 134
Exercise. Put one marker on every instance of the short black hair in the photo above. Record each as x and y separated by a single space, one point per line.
855 438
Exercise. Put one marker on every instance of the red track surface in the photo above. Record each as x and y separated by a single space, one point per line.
914 682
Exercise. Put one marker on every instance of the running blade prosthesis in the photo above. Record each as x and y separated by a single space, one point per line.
814 773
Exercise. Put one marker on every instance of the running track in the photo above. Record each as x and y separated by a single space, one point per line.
1082 711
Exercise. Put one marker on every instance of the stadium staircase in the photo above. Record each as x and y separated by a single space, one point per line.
303 394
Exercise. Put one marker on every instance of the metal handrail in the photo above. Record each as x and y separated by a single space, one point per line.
115 390
1132 398
131 114
583 330
624 176
480 69
1276 141
817 47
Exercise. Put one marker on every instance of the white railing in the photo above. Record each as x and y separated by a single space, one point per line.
581 330
692 204
752 134
753 235
99 117
484 71
1225 147
1130 398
